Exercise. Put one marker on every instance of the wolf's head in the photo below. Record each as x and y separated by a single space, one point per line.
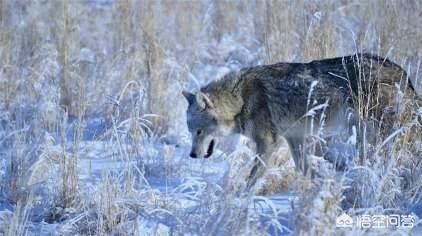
205 123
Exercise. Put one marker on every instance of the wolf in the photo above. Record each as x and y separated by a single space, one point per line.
290 102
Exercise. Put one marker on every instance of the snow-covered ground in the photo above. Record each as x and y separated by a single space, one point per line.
168 189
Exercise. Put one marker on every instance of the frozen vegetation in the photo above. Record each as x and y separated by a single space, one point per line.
93 136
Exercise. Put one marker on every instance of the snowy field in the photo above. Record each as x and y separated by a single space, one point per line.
93 135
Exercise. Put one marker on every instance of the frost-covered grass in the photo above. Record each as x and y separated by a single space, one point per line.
93 139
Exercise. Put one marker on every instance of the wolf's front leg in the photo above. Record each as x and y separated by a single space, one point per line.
298 154
266 147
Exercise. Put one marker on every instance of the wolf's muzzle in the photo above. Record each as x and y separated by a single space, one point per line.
210 149
193 155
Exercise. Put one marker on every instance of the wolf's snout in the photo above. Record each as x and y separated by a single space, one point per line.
193 155
210 149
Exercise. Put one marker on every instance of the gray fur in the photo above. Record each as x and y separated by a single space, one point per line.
268 103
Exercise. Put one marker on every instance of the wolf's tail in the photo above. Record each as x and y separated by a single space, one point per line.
390 66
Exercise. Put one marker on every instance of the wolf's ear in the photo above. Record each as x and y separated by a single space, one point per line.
189 97
203 101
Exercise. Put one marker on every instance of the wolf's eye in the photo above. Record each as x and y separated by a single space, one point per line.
198 132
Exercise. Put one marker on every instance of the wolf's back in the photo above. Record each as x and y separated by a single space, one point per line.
364 72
